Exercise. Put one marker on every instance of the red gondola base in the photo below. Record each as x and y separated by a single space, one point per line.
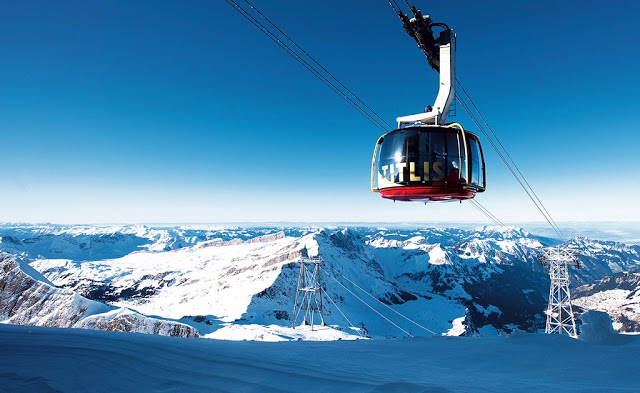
427 194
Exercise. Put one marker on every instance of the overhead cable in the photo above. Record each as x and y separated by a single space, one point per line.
486 212
367 304
519 179
535 198
322 74
386 305
320 65
340 311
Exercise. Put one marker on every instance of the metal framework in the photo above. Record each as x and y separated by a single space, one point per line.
560 317
440 53
309 293
437 114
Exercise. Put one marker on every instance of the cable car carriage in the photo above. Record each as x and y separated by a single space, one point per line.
428 163
426 160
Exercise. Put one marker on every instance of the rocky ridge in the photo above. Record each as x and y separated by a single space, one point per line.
31 300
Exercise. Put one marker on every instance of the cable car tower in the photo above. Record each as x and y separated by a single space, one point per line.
425 159
309 292
560 317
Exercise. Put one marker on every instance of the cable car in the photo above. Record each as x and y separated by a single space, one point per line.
425 159
428 164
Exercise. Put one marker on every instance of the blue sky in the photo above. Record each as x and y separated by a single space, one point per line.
167 111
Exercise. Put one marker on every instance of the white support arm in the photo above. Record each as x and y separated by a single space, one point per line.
440 110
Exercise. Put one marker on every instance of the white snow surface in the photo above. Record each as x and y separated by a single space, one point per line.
245 282
212 278
597 327
37 359
27 299
616 302
255 332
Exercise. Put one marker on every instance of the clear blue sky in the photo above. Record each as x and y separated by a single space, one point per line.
170 111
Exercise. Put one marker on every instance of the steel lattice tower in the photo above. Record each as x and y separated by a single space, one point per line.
560 316
309 292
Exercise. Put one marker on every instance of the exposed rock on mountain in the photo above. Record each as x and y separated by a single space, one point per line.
26 300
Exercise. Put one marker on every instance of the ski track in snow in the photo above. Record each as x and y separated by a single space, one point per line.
37 359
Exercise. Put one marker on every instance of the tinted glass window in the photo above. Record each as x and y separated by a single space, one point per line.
398 148
439 161
455 157
475 161
482 182
437 142
421 156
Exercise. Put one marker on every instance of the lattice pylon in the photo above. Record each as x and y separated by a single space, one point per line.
560 317
309 293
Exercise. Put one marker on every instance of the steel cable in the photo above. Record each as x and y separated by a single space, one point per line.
319 65
544 209
509 167
309 67
340 311
486 212
366 304
386 305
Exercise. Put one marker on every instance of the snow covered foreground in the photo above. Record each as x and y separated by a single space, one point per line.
38 359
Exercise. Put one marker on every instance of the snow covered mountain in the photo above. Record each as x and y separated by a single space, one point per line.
27 298
93 243
618 295
601 258
232 282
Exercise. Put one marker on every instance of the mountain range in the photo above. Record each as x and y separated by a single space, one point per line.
236 282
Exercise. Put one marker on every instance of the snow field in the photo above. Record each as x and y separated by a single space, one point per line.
39 359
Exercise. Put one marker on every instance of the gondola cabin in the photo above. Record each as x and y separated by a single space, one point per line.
428 163
426 160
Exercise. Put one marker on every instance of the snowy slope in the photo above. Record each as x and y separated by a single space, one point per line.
212 278
618 295
30 300
235 282
601 258
72 360
92 243
251 282
85 242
